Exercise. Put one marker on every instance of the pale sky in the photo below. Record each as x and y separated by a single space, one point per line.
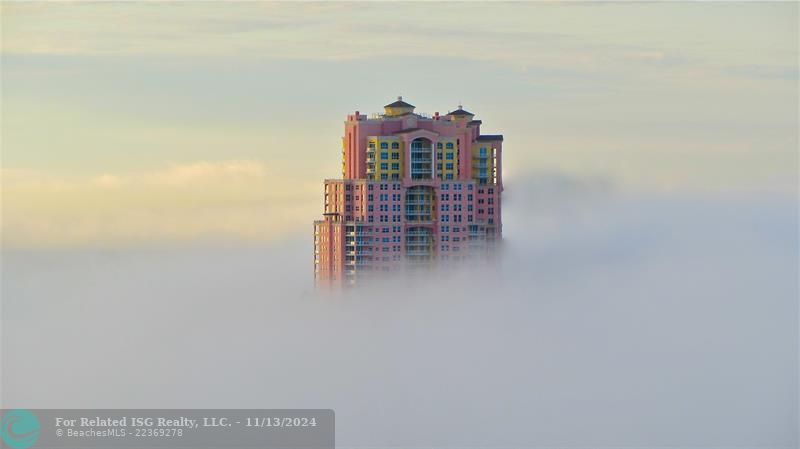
125 123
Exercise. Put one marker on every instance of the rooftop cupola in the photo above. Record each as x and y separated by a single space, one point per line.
461 114
398 108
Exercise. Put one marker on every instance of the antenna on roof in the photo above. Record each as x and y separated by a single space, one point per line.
459 105
399 98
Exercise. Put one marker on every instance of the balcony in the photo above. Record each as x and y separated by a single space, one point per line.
417 252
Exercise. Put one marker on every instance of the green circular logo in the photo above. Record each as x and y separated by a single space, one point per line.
20 429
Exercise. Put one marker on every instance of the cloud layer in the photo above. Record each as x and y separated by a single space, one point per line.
608 322
235 201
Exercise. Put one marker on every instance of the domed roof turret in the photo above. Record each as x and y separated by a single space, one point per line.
399 107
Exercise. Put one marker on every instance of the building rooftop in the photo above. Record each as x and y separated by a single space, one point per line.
490 138
399 104
461 111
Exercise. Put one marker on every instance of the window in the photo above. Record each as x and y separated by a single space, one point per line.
439 155
482 152
439 147
384 176
449 145
448 176
395 145
395 156
384 146
384 166
395 176
395 166
449 166
439 166
449 156
384 156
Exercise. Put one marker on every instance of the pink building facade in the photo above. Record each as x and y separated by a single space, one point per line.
416 190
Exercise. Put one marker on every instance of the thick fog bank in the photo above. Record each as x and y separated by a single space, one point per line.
608 321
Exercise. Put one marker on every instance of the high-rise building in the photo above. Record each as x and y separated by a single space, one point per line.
416 190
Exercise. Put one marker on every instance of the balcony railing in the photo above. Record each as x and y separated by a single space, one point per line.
417 252
413 233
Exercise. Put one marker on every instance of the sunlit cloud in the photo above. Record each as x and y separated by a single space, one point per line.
230 201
